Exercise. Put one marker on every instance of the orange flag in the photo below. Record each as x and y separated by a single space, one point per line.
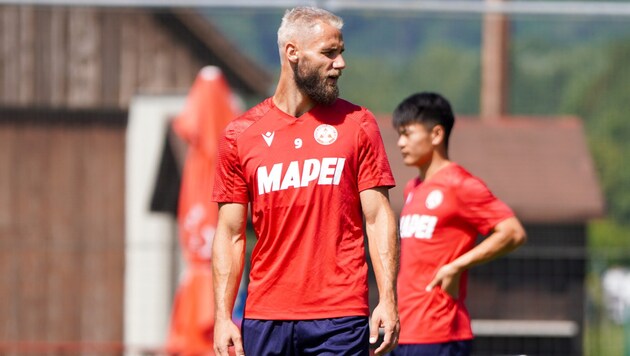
209 107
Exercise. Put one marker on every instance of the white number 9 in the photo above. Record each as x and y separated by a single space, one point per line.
298 142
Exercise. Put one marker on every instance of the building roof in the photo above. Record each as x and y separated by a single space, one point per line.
541 167
209 40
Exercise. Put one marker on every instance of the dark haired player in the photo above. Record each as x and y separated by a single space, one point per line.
445 209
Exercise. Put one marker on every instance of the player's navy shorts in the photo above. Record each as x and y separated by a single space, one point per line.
453 348
337 336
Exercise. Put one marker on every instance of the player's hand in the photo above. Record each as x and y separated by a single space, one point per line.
227 334
385 316
447 278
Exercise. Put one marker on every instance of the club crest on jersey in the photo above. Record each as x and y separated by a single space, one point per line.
325 134
434 199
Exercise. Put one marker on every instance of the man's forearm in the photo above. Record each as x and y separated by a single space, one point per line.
228 257
383 243
227 269
507 236
384 250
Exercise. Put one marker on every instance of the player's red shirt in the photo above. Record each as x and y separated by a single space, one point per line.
303 177
440 221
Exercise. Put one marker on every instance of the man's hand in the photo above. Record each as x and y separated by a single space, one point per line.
227 334
385 316
447 277
506 236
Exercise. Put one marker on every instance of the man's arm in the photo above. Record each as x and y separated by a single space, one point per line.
384 250
506 236
228 257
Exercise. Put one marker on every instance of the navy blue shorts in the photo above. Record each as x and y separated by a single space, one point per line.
336 336
453 348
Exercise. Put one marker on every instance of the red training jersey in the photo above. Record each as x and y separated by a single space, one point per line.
302 177
439 222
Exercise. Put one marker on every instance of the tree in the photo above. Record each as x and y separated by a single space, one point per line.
604 103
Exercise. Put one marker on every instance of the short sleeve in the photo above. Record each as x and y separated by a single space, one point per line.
374 170
229 183
480 207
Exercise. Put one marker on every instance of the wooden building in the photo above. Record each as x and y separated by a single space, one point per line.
67 78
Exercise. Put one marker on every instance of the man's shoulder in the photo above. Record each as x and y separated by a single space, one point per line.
343 104
459 171
240 124
461 178
354 110
342 109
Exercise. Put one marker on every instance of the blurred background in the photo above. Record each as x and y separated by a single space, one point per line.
90 167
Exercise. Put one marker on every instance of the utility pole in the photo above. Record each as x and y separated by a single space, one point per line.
494 65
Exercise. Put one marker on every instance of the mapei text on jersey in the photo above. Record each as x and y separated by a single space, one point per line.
326 171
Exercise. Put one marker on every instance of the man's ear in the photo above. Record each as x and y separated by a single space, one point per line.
291 52
437 135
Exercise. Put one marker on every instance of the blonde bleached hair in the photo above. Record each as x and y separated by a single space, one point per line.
303 19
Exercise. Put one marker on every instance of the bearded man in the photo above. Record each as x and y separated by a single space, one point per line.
314 171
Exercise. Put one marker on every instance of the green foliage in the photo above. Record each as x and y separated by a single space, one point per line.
604 104
588 80
544 78
253 30
380 84
606 237
394 36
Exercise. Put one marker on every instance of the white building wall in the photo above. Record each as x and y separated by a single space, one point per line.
150 236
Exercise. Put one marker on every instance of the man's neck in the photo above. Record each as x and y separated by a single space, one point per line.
290 99
437 163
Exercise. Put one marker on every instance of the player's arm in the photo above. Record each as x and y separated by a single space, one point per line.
228 257
384 249
504 238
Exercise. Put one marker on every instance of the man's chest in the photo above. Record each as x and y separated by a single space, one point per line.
426 210
298 156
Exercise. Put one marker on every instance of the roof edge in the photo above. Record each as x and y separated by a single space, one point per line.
248 71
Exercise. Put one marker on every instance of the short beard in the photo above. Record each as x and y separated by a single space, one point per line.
314 86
